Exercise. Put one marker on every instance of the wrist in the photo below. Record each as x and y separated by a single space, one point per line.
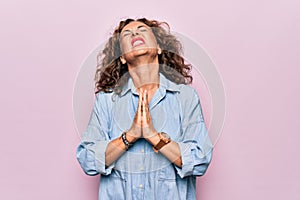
164 139
154 139
130 138
125 141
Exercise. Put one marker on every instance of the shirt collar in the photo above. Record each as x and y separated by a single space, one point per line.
164 83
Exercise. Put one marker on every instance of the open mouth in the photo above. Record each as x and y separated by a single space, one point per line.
137 41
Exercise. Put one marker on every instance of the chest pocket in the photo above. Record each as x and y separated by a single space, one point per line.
167 173
166 184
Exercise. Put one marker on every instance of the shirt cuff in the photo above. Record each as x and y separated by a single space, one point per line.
186 159
100 149
91 156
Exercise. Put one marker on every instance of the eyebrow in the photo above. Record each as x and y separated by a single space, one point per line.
140 26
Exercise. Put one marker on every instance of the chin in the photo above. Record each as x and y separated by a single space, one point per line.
139 52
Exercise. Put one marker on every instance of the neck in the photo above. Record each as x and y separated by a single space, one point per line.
145 75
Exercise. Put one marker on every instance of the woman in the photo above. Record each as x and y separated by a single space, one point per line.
146 135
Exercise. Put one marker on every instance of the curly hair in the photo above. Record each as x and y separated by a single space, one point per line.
110 69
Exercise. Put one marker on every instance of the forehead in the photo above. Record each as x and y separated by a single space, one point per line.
133 25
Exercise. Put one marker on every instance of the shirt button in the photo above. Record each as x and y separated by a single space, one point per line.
140 186
142 168
143 151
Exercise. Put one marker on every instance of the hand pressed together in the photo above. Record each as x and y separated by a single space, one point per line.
142 126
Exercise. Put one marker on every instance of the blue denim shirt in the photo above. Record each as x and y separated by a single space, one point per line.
140 173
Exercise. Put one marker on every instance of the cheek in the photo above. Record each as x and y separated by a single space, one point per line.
124 45
151 40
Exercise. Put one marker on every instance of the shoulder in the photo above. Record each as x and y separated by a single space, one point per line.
102 94
187 93
104 98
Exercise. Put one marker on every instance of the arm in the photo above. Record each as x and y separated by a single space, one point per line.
97 153
192 153
116 148
170 150
195 145
90 152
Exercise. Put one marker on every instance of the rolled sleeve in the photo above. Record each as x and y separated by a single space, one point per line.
187 161
195 144
90 152
100 158
91 157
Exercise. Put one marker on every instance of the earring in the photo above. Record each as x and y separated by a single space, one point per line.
159 51
123 61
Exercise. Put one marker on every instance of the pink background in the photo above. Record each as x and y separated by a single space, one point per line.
255 45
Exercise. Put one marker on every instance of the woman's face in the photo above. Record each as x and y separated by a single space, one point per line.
137 38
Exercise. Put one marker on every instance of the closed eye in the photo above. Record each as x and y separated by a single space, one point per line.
126 33
142 28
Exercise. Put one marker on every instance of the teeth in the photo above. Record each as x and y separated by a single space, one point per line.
137 42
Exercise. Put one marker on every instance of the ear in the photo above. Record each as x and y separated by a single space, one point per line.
123 61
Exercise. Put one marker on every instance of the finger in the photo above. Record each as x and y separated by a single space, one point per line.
142 102
138 113
146 97
146 114
146 103
141 95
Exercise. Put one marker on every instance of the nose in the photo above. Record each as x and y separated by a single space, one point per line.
135 32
